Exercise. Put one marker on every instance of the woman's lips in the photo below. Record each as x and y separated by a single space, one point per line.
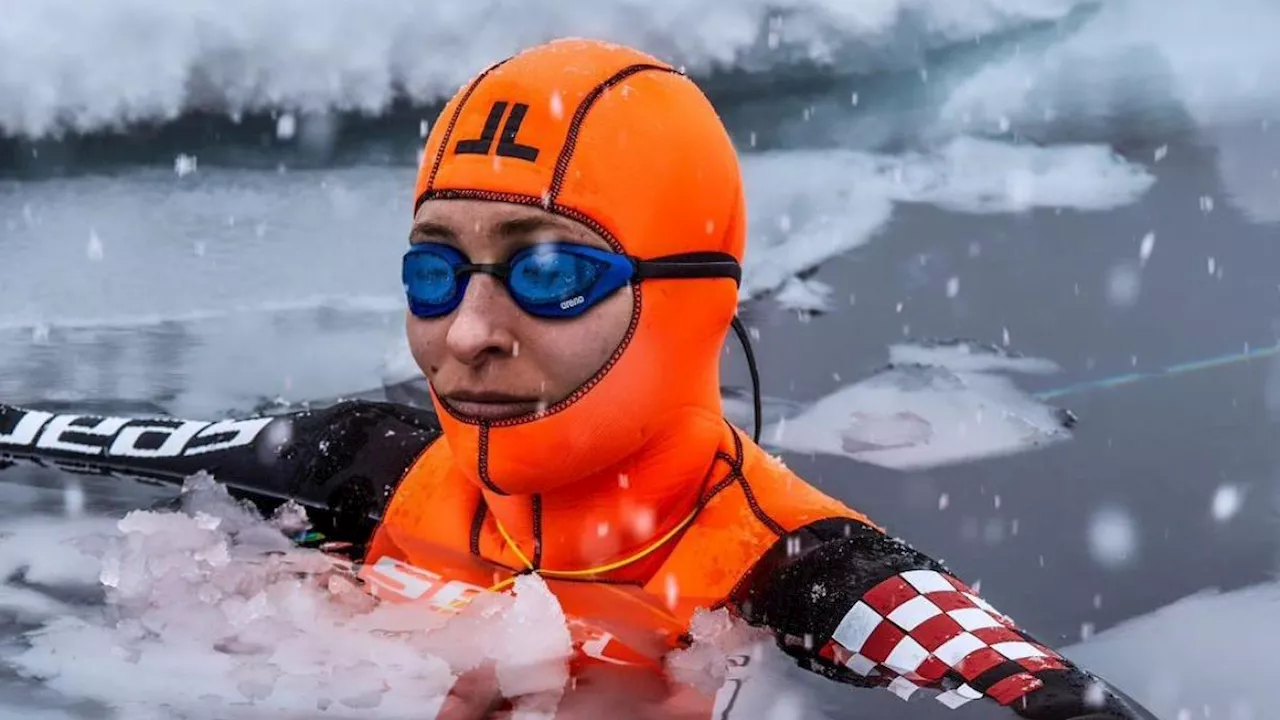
491 407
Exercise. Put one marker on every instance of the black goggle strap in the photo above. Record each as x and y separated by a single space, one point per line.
690 265
755 377
710 265
672 267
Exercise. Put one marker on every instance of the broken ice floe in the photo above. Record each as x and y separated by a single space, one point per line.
934 404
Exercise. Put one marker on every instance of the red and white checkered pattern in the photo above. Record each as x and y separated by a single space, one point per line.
918 625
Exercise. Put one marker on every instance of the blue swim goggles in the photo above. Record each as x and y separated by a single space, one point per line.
548 280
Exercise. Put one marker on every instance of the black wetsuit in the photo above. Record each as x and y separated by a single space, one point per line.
814 589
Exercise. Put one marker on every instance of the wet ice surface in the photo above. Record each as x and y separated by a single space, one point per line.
1200 657
253 57
1105 57
838 200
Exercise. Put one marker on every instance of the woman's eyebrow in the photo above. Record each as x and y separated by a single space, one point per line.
529 225
430 230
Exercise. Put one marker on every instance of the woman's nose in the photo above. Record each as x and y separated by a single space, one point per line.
481 327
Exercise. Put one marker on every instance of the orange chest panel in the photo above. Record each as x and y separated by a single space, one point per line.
427 551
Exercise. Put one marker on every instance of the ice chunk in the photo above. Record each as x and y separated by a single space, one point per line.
835 201
716 635
805 295
934 404
968 357
259 629
536 626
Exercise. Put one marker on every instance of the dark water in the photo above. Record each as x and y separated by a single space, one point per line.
1159 449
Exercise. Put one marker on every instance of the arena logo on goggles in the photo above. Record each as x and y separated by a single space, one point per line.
85 435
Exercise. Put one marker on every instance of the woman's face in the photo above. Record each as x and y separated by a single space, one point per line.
488 358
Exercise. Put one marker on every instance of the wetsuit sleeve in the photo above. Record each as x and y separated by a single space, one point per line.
857 606
342 462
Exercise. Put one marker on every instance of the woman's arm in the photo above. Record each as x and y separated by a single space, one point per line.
865 609
342 462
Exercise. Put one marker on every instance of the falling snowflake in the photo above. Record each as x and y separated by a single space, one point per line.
95 250
1226 502
184 165
286 126
1113 536
1148 245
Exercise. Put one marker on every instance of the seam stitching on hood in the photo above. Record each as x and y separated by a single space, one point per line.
448 131
575 125
604 370
477 524
738 463
482 461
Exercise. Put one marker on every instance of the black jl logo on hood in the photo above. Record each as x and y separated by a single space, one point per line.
507 144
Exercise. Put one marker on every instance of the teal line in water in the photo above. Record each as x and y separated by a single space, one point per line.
1247 355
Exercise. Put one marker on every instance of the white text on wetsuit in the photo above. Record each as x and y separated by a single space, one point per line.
37 431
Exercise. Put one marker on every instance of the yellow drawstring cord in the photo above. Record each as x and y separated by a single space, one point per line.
588 571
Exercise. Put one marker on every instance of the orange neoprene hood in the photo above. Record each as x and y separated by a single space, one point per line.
631 148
